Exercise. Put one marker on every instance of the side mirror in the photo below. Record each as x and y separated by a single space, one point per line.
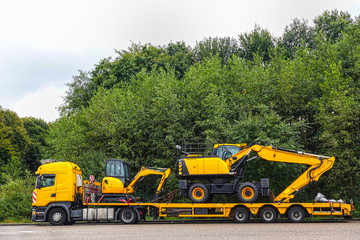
38 182
234 158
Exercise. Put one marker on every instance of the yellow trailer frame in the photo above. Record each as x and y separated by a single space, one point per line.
268 212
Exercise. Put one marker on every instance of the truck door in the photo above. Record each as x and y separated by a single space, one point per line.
45 189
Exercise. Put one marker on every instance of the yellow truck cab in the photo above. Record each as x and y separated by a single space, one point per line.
58 190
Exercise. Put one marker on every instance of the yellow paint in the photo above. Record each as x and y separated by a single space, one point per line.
64 188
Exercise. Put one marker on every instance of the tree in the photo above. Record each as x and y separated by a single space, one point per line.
14 140
37 129
258 41
333 24
295 35
116 73
222 47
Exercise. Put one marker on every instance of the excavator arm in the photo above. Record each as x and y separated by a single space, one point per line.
145 171
318 165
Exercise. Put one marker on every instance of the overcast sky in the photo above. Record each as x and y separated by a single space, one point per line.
44 43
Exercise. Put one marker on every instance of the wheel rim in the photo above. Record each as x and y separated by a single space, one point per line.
248 193
240 215
296 215
57 217
268 215
128 216
198 193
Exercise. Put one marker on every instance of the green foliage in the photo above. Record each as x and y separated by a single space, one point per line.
225 48
14 140
296 35
36 129
115 73
333 24
259 41
15 193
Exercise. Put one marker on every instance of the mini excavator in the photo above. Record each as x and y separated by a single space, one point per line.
116 185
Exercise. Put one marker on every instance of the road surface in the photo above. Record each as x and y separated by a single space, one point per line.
188 230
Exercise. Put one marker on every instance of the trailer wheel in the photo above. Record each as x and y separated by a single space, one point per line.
198 193
128 215
57 216
296 214
241 215
268 215
248 192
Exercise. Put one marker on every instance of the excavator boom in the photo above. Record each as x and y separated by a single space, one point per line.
318 165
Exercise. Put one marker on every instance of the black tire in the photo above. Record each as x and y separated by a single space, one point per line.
268 215
57 216
241 215
296 214
128 215
248 192
198 193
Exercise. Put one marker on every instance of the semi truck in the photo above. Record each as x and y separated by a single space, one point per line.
62 196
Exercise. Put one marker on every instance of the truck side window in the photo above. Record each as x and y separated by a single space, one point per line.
47 181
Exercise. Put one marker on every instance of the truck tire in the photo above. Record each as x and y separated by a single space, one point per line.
198 193
268 215
296 214
248 192
57 216
128 215
241 215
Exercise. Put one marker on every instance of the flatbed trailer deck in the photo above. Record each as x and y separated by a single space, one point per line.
239 212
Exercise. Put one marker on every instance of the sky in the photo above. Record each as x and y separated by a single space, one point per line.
44 43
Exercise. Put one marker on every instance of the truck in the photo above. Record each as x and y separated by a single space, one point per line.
62 196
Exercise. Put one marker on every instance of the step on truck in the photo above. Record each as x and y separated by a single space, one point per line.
61 196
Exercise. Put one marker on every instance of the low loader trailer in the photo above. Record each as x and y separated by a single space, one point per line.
61 196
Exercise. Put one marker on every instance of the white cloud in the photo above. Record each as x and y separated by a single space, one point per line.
41 104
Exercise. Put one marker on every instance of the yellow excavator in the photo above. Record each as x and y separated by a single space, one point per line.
223 171
116 185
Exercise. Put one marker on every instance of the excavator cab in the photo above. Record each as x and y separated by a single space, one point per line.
118 169
117 176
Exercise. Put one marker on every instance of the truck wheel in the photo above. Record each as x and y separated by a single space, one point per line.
241 215
268 215
128 215
248 192
57 216
296 215
198 193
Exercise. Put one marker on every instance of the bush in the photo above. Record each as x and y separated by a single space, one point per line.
15 198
